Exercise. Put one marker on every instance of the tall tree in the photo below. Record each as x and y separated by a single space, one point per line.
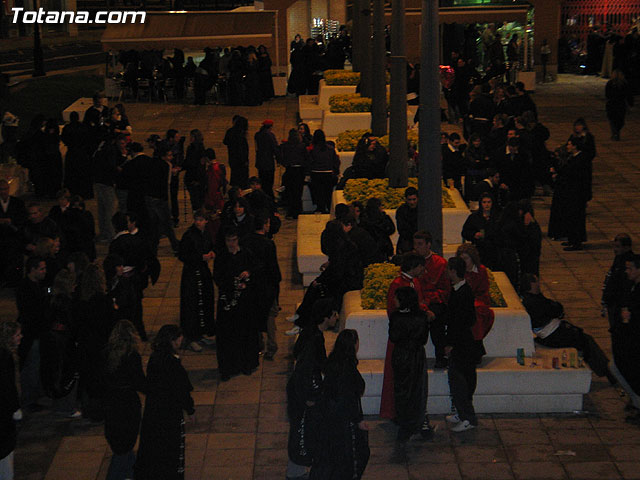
398 154
430 181
378 64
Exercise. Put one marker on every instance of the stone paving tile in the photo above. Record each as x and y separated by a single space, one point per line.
241 426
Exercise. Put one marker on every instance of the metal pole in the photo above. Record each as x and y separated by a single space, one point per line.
38 56
378 77
398 176
430 181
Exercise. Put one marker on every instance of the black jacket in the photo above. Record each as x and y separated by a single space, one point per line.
267 150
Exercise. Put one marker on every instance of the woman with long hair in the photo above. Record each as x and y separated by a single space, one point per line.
295 158
619 97
325 168
124 378
59 366
477 277
481 229
380 227
343 432
194 172
95 317
238 151
10 337
161 455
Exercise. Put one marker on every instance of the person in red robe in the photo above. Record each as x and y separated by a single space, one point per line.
478 279
216 182
435 287
410 270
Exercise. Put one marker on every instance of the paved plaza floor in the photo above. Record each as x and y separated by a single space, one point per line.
241 425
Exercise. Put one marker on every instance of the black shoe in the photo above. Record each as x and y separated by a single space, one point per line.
573 248
441 363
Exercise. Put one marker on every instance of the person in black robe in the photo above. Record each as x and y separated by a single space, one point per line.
616 283
238 151
586 143
568 207
481 229
161 455
77 162
295 158
119 288
407 221
236 329
95 317
380 227
304 388
196 284
343 432
296 84
51 160
266 278
194 178
10 337
267 152
551 330
409 332
619 97
264 73
124 379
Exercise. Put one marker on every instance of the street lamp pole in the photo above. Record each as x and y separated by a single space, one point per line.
38 56
430 179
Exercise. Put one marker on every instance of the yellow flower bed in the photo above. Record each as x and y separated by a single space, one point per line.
341 77
348 140
378 277
349 103
362 189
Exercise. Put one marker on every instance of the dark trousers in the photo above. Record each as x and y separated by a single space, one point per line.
321 188
240 176
570 336
266 178
196 195
462 385
294 184
438 328
174 186
160 222
576 231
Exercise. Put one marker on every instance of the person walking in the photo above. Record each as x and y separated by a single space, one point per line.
267 152
619 98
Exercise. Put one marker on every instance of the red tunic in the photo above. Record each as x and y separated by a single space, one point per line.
434 281
387 402
214 200
479 283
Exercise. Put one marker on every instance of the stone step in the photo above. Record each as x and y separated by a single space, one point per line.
511 328
503 386
308 108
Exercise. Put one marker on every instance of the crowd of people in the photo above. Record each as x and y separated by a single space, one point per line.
233 76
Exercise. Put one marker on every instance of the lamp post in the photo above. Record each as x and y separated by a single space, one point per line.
38 57
430 180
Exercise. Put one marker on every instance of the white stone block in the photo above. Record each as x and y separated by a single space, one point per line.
511 329
308 253
326 91
308 108
80 105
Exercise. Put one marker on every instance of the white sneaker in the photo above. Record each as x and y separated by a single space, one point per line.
463 426
76 414
294 331
293 318
454 418
195 347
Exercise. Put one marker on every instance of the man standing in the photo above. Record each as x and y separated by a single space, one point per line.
407 220
435 288
452 162
157 198
32 303
462 349
105 172
94 119
267 152
616 283
266 278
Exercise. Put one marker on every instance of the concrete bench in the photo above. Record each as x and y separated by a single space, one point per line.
504 386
